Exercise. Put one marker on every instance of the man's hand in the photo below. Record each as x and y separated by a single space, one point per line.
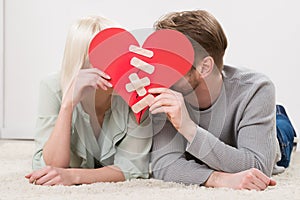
50 176
172 103
252 179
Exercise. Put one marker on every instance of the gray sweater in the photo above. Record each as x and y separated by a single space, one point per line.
236 133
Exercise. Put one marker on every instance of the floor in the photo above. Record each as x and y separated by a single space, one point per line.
15 162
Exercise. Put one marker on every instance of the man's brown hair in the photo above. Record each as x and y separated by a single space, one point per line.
200 26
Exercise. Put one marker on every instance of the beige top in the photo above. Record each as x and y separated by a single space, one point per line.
122 142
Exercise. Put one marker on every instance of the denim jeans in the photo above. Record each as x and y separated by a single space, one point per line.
285 135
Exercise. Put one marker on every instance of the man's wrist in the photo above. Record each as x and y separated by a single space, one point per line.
218 179
189 131
213 180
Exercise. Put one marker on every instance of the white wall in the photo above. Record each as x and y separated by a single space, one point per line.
1 66
263 35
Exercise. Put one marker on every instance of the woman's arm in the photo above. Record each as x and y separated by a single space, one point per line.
74 176
56 151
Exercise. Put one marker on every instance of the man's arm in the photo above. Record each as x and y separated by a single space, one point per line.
256 137
168 160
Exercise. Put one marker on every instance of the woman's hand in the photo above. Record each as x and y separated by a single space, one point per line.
172 103
72 176
86 81
50 176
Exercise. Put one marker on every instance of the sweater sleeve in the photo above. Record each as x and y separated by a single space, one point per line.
168 160
256 137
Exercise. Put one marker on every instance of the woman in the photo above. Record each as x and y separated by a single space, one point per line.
85 133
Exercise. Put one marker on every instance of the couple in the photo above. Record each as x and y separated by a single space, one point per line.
215 127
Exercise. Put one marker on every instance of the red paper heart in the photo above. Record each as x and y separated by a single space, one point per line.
172 59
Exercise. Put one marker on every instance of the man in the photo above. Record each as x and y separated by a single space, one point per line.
220 130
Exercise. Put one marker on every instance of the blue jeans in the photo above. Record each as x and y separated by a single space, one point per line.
285 135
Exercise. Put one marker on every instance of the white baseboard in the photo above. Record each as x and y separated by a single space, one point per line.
8 133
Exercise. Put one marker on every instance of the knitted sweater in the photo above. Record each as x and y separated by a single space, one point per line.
236 133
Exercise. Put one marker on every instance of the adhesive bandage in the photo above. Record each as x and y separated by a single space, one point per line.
140 51
138 63
137 84
139 106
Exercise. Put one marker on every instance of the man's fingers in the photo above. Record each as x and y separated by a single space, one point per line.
162 96
272 182
259 183
252 186
162 109
161 102
159 90
260 175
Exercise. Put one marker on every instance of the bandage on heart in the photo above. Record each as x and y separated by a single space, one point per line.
138 84
164 58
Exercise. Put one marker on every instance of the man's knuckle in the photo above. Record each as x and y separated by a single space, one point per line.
249 177
253 170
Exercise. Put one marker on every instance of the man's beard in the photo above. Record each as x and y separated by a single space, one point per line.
185 92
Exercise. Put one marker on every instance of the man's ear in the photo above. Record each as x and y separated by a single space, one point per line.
206 66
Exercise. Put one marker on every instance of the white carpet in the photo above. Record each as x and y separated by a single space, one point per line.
15 162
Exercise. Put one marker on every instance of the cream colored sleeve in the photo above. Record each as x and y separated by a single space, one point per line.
132 155
48 109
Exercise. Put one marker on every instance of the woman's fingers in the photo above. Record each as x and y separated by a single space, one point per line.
38 174
51 182
47 177
28 175
99 72
104 84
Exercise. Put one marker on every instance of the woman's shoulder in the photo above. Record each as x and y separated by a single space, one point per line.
52 82
119 104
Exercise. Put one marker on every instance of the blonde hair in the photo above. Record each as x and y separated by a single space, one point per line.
76 48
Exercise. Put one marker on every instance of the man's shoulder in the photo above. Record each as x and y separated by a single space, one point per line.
245 84
244 76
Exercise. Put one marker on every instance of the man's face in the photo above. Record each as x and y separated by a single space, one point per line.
188 83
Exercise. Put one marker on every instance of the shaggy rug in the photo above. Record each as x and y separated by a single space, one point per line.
15 162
